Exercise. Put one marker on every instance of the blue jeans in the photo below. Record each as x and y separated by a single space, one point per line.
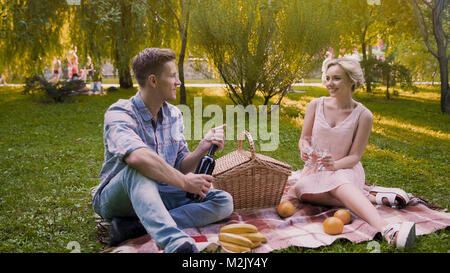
163 210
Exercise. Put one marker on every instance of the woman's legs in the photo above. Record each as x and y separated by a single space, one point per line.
401 235
351 197
321 199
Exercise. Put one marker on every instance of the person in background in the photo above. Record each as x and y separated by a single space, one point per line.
96 84
56 65
3 79
87 70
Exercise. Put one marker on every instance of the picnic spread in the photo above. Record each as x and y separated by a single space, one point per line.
258 185
303 229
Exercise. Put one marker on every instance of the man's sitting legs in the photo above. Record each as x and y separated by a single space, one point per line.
186 213
171 210
129 194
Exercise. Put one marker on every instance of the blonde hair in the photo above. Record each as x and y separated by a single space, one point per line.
351 67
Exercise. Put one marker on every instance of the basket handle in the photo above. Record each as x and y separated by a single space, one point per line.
250 140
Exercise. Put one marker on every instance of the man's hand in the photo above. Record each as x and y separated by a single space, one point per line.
214 136
198 183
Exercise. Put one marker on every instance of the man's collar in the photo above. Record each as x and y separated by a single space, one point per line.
145 113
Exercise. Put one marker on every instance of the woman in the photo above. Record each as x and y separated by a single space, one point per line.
342 126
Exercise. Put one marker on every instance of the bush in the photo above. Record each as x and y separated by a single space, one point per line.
58 91
387 73
262 46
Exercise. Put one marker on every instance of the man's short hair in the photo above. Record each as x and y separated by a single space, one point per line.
150 61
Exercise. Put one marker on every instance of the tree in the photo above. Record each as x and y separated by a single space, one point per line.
432 16
93 31
176 17
388 73
30 35
363 23
115 30
261 46
415 56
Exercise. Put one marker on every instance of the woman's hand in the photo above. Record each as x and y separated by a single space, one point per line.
328 162
306 150
305 157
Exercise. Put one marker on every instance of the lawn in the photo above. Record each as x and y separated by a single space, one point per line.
51 155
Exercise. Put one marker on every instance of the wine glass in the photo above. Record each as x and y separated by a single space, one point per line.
322 149
308 149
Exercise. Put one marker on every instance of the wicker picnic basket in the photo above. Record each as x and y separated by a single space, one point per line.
254 180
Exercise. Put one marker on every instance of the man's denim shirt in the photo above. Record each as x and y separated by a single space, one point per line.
129 125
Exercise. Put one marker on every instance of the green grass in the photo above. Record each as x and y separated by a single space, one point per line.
51 155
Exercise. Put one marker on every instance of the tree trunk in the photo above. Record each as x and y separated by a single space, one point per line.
266 100
368 71
122 59
441 42
441 38
445 97
181 68
125 79
388 77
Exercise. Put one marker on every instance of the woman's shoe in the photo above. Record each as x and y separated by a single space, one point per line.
395 197
401 235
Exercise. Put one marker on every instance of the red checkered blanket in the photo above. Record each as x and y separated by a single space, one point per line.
303 229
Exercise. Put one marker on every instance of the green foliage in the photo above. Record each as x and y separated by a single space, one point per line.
58 91
386 73
261 46
433 18
362 24
118 30
110 29
30 35
415 56
93 29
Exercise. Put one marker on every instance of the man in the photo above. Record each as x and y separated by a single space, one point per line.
148 167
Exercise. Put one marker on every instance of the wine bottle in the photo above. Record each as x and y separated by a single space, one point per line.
205 166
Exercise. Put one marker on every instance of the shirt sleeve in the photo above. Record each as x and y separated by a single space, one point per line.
120 133
183 149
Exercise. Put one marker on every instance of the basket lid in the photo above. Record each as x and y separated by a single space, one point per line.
239 157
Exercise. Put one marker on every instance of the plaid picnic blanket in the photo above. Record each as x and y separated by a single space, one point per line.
303 229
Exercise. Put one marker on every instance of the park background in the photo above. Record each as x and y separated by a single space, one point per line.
250 52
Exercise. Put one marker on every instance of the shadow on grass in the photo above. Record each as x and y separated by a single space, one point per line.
414 111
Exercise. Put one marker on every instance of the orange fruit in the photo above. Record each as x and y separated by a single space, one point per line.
344 215
285 209
333 226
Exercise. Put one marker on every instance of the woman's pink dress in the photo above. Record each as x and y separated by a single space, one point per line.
340 138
